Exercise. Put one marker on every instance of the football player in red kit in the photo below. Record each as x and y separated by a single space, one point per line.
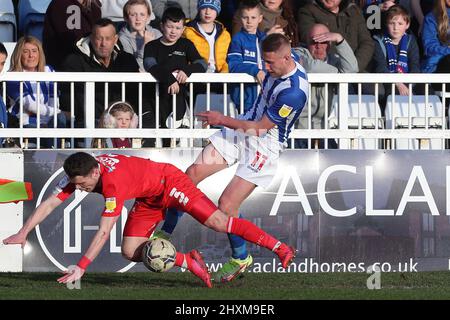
155 187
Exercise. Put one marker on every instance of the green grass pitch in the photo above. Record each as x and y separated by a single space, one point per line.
253 286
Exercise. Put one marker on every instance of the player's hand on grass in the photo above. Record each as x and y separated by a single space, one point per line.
17 238
73 275
210 118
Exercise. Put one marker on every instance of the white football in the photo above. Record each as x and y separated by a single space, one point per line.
158 255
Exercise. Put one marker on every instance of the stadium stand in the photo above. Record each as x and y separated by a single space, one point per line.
8 27
421 114
31 17
363 113
10 48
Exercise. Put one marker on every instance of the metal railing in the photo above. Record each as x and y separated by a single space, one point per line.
343 129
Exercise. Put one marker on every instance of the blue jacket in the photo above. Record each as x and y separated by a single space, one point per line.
434 50
243 58
3 115
31 99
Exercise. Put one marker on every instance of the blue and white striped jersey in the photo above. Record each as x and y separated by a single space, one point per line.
282 100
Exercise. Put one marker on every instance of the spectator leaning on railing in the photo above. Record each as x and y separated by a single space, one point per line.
99 53
397 51
171 60
244 54
28 56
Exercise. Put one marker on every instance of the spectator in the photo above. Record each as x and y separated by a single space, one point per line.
171 60
113 10
228 9
28 56
189 7
64 26
209 36
375 25
316 58
3 112
436 40
396 51
277 17
99 53
419 9
343 17
120 115
244 54
137 32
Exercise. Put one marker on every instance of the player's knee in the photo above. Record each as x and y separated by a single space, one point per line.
129 255
193 173
226 206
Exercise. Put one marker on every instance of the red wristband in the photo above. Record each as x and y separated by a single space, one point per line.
84 262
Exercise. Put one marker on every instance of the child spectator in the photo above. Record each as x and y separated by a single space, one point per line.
113 10
119 115
244 54
171 60
397 51
278 16
209 36
137 32
436 40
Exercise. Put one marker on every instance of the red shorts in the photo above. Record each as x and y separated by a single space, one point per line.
179 193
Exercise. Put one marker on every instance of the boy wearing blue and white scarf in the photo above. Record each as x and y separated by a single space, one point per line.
397 51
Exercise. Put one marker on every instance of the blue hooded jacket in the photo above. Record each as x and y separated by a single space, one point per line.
3 115
434 50
243 55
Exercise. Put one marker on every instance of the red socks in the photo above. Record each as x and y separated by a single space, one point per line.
183 260
251 233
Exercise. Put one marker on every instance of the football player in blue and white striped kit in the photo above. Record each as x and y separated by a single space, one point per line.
254 140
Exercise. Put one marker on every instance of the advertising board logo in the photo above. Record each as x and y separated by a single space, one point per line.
67 232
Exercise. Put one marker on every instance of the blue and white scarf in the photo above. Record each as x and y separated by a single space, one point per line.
397 64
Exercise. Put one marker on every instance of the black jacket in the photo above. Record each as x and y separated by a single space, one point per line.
85 61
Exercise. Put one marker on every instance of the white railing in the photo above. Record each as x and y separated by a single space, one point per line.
343 129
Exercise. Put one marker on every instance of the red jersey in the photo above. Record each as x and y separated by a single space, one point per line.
123 178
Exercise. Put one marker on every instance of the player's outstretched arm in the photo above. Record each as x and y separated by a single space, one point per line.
97 243
39 215
254 128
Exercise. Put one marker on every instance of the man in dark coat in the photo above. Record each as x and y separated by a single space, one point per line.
99 53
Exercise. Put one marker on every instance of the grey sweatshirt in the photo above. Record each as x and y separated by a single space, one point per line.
135 44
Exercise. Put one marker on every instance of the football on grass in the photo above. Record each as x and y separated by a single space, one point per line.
158 255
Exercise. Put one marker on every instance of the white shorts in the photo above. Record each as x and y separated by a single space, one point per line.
257 157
